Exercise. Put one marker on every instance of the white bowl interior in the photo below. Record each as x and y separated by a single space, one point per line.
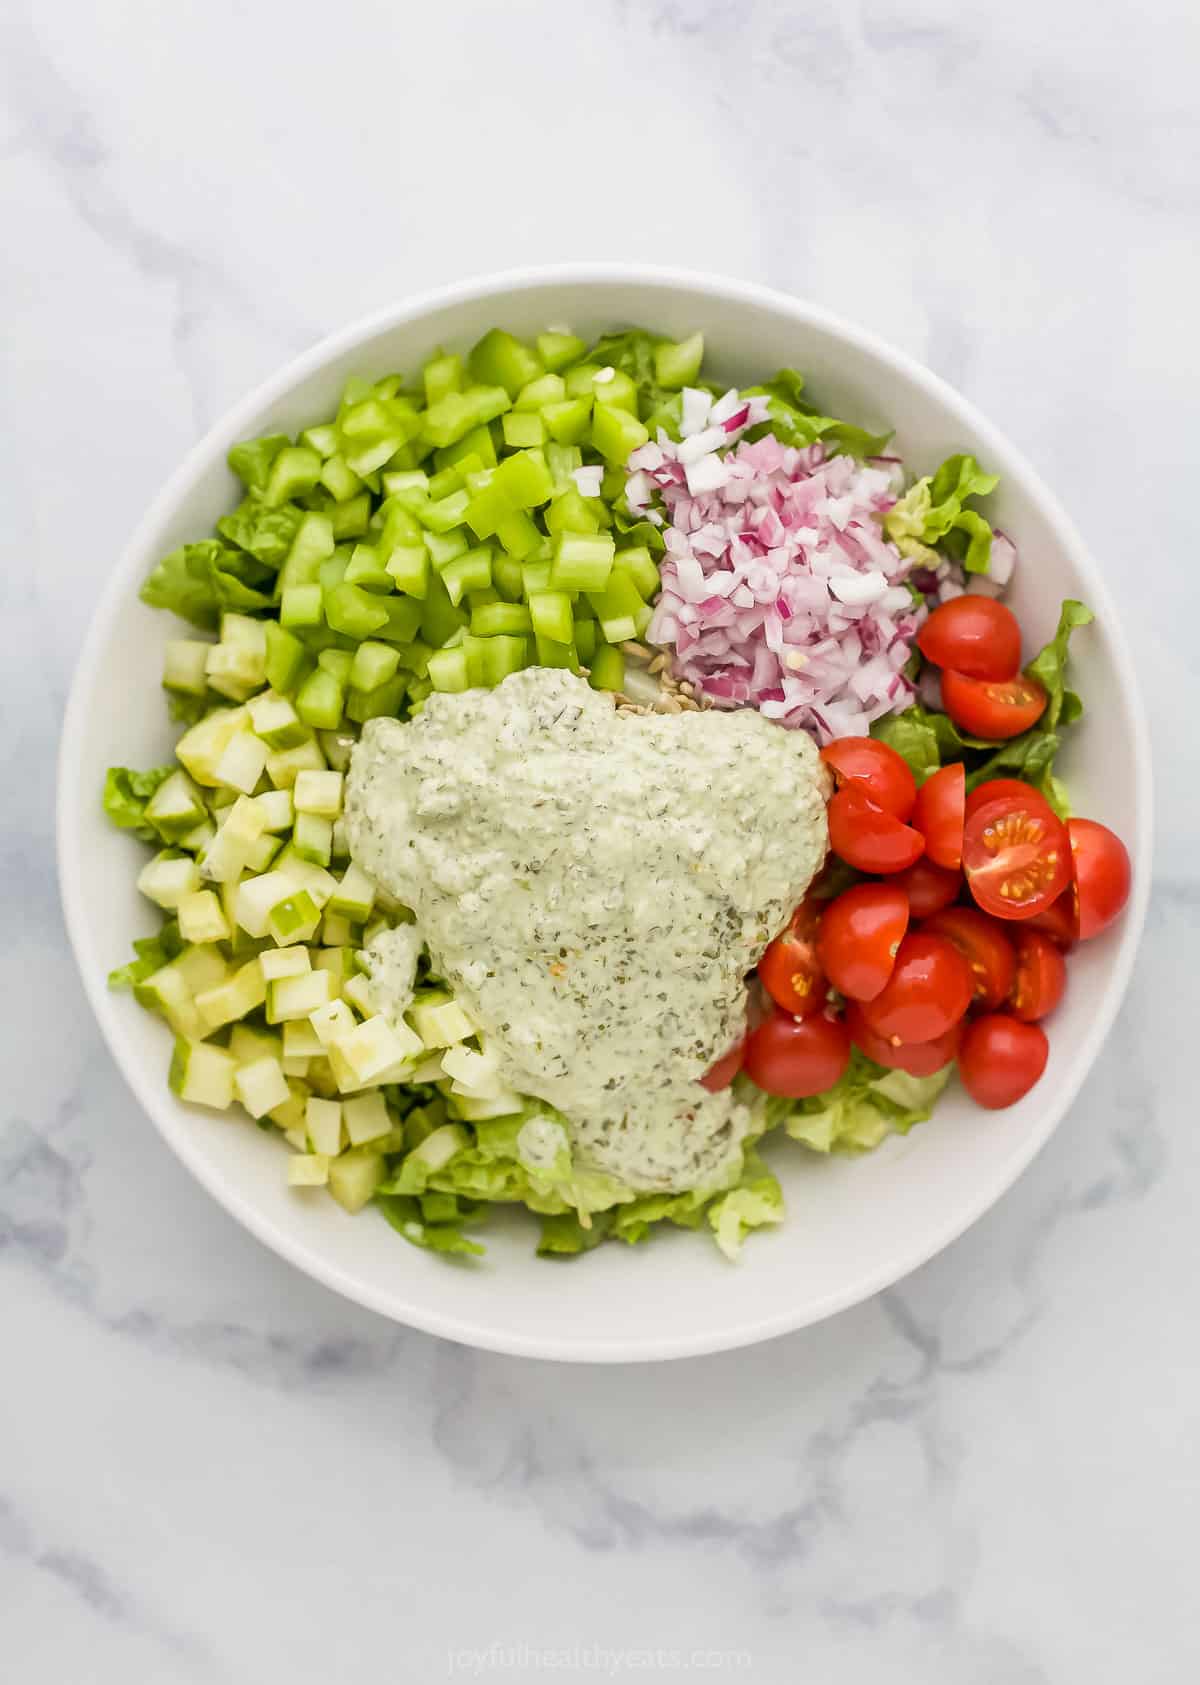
853 1226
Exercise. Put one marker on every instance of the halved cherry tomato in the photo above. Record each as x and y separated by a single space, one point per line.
1102 874
1041 977
929 990
797 1057
881 773
991 707
789 969
1016 855
928 887
859 936
986 947
938 815
864 836
997 787
918 1058
1000 1059
973 635
722 1073
1060 920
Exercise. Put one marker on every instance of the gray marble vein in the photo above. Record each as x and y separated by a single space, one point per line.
212 1469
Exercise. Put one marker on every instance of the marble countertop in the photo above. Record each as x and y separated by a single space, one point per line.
210 1468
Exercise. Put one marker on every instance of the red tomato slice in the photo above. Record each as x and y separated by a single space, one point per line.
1060 920
859 936
1000 1059
883 774
938 815
973 635
993 708
928 887
1017 856
994 788
918 1058
722 1073
985 945
1041 976
866 837
797 1057
928 992
789 969
1102 874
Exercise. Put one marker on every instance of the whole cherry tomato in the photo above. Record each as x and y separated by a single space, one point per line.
938 815
985 945
720 1074
1102 874
1000 1059
1060 920
1017 856
973 635
928 887
1041 976
859 936
789 969
867 837
797 1057
881 773
997 708
928 992
918 1058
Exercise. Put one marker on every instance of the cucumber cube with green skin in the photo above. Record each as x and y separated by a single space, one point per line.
332 1022
261 1086
202 1075
285 765
336 930
616 433
176 807
370 1049
168 878
323 1124
567 423
240 829
353 612
235 671
200 748
312 838
202 918
248 1044
260 855
439 1147
318 792
237 997
275 809
337 961
307 1170
319 883
473 1109
320 700
294 920
300 1041
255 897
295 997
354 1176
366 1118
440 1021
285 962
606 669
185 666
275 720
287 659
559 350
677 364
357 990
499 359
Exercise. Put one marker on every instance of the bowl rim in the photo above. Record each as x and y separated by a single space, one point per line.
172 1122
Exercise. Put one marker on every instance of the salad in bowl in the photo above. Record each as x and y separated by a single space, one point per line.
587 770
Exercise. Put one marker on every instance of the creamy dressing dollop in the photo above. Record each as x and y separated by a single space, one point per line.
595 886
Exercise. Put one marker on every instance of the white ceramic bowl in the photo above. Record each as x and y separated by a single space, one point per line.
854 1226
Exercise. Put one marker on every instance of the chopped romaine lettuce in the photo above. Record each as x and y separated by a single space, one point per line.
868 1104
795 421
931 514
198 581
125 796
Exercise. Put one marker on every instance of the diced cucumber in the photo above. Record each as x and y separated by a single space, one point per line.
256 897
354 1176
354 895
261 1086
242 762
168 878
312 838
236 998
200 749
319 793
202 1075
307 1170
440 1021
499 359
240 830
439 1147
372 1048
294 920
285 962
558 350
248 1044
275 806
284 765
332 1022
275 720
366 1118
185 666
298 996
176 807
323 1124
202 918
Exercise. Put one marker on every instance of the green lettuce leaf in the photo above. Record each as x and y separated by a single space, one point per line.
633 353
756 1202
868 1104
198 581
125 796
931 515
251 460
794 421
265 533
152 953
564 1235
1049 667
406 1216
